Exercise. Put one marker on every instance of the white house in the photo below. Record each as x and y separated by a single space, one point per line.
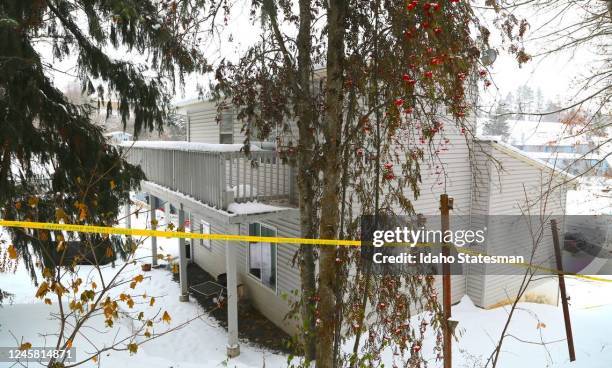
571 148
118 136
210 180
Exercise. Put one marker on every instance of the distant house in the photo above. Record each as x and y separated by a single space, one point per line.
211 182
117 137
563 146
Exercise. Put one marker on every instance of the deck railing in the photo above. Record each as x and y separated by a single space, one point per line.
216 178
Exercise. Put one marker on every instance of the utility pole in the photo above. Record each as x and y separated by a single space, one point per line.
446 204
566 316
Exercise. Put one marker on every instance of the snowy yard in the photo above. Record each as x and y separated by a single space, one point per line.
201 343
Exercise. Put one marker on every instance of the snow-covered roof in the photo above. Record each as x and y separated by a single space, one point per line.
523 156
188 146
565 155
541 133
191 101
117 132
544 133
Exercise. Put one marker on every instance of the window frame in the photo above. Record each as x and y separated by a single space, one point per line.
226 126
206 243
248 257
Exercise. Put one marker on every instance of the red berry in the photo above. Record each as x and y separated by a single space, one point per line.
399 102
428 74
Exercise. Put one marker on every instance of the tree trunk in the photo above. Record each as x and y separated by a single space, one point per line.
334 101
306 178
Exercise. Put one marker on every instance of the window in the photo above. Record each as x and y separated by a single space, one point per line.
262 256
205 229
226 128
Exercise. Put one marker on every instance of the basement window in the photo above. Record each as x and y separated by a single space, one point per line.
262 256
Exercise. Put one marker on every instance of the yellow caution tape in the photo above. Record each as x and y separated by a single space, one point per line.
171 234
229 237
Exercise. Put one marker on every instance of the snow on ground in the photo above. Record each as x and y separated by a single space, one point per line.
592 197
201 343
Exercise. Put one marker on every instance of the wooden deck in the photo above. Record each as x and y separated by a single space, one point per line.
217 178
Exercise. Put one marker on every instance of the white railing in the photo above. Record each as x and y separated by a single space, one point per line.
216 178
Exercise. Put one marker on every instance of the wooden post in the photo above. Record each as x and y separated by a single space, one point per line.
233 347
566 316
128 215
184 297
446 204
153 204
167 213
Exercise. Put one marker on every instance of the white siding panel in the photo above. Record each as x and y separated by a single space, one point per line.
520 189
203 126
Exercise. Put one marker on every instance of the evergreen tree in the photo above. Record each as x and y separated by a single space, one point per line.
497 124
55 164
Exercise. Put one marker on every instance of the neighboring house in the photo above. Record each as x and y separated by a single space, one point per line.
117 137
563 146
211 182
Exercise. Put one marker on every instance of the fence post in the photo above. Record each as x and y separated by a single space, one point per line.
184 297
566 316
446 204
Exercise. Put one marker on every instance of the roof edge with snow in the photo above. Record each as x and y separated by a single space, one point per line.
523 156
187 146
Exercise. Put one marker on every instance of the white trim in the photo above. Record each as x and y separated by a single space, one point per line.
248 259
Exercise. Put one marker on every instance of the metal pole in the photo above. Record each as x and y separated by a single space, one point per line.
566 316
233 347
184 297
446 204
154 203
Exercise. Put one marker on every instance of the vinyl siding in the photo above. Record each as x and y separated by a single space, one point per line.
511 192
451 174
203 126
480 204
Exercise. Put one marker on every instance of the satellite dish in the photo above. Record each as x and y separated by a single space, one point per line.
488 57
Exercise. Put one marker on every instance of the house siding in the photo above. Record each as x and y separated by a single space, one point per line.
480 204
203 126
457 183
508 192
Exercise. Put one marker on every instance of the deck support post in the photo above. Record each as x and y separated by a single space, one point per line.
128 215
184 297
167 214
233 347
153 201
